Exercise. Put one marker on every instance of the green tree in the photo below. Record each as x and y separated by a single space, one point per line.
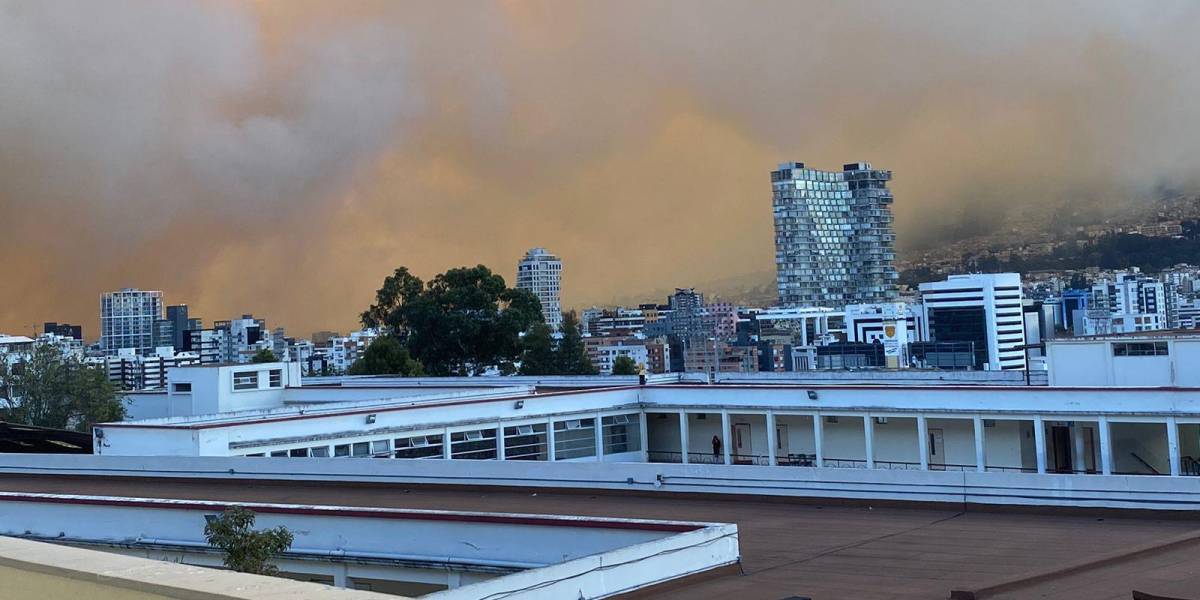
264 356
386 356
624 365
461 322
537 351
246 550
50 390
572 356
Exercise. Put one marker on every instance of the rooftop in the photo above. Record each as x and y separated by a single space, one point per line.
800 549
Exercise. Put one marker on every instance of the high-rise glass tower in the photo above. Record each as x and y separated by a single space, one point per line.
127 320
540 272
834 243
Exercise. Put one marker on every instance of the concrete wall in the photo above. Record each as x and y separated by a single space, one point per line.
1091 363
1111 491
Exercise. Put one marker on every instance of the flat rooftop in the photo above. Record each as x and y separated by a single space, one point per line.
822 551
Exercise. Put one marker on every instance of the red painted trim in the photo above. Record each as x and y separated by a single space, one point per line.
890 386
364 411
385 513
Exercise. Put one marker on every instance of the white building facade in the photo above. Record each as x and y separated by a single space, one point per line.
540 272
982 309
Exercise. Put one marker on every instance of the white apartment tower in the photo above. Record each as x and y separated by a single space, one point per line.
540 272
127 320
981 309
1129 303
834 243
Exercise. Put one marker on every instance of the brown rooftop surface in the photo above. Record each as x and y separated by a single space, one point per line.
798 549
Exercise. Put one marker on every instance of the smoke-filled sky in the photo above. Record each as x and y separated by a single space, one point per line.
282 157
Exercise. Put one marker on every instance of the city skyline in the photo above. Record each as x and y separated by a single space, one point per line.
250 179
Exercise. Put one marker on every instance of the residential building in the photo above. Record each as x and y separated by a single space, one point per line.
834 243
1130 302
343 351
540 272
981 309
127 319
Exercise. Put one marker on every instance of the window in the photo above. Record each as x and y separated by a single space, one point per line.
380 449
276 378
1140 349
473 445
621 434
298 453
277 453
319 452
245 380
574 439
182 388
421 446
361 450
525 442
341 450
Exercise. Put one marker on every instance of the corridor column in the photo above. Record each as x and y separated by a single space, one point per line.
446 443
550 440
1039 442
869 438
923 441
819 439
599 432
683 436
980 458
1106 466
1079 465
499 441
725 437
1173 445
772 443
644 431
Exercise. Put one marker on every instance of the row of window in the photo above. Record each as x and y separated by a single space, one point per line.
575 438
1140 349
248 380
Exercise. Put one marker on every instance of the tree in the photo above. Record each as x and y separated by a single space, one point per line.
624 365
572 356
537 351
246 550
51 390
386 356
461 322
264 356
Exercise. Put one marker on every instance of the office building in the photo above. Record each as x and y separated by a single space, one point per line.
1128 303
834 243
541 272
63 330
180 324
984 310
127 319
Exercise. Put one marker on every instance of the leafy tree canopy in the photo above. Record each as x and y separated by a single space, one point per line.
538 356
462 322
264 356
386 356
51 390
246 550
572 356
624 365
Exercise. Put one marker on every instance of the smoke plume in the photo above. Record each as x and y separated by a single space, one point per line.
282 157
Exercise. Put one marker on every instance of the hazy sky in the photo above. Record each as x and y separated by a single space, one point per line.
282 157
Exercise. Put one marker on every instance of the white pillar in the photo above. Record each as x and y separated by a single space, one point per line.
771 441
684 436
341 575
869 439
1039 442
1106 456
819 439
598 433
1173 445
644 431
499 441
1077 448
923 441
550 440
980 447
725 437
446 443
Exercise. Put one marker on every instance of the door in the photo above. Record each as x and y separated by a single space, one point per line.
1089 449
937 450
743 451
1060 438
781 443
